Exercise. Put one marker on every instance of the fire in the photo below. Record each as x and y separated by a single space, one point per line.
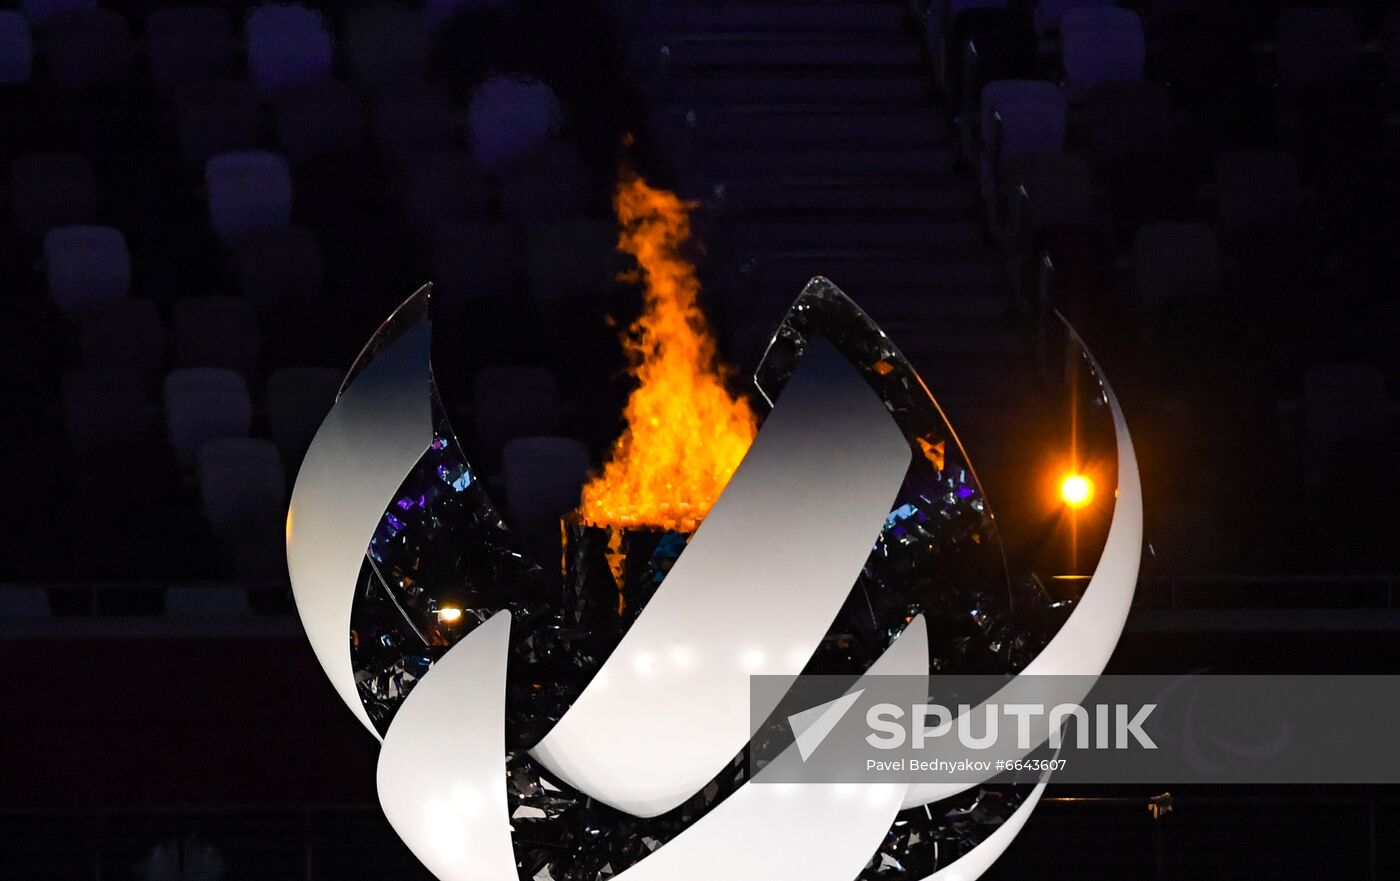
685 433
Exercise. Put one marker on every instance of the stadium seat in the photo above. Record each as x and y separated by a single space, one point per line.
243 489
1330 100
416 118
249 193
543 478
105 408
1175 261
939 24
986 44
1067 263
215 116
19 602
187 44
42 10
1346 409
188 860
442 187
124 334
942 12
476 261
87 266
511 402
1263 230
16 49
298 399
551 184
1256 188
1047 12
285 342
387 45
1185 539
438 12
568 258
288 45
216 332
1018 118
1043 128
52 189
1100 44
89 50
509 117
1127 118
204 602
1129 125
204 403
1315 46
313 119
114 461
1055 190
279 266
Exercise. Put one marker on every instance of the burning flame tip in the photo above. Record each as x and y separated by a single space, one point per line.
685 434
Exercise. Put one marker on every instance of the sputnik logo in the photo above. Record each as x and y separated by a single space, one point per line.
810 727
670 707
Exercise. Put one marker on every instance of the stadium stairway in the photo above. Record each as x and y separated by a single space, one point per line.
812 135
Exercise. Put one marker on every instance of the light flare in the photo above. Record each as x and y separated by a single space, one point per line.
1077 491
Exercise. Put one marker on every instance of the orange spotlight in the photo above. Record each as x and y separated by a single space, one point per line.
449 615
1076 490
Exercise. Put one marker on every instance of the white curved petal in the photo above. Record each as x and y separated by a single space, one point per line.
972 864
754 592
1083 645
812 832
370 440
441 773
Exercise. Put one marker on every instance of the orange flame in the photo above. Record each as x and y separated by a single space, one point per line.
685 433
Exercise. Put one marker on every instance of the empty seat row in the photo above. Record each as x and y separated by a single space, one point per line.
1024 121
108 408
475 173
1098 42
385 44
90 273
16 49
242 481
208 331
1347 409
243 491
52 189
90 47
976 41
216 116
249 193
288 46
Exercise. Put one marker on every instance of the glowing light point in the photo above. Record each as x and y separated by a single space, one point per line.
449 615
1077 491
